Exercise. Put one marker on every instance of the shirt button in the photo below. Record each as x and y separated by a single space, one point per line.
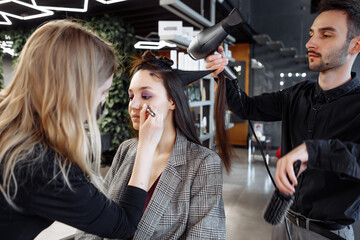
314 108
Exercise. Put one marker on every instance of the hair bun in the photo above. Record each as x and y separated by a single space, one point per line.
165 62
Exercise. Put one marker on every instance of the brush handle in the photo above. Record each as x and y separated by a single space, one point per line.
280 203
297 166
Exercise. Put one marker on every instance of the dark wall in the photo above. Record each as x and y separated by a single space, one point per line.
288 21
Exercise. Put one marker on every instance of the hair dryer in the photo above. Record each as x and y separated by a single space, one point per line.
208 40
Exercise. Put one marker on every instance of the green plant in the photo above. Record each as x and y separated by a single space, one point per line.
116 120
18 37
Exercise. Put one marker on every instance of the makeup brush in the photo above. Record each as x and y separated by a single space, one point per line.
148 109
280 203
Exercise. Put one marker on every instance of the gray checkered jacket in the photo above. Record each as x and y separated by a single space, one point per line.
187 202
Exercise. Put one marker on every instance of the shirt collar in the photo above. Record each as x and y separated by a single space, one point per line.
337 92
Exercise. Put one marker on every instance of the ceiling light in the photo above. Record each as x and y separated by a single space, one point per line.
44 12
289 74
281 83
282 74
153 45
110 1
6 20
69 9
303 74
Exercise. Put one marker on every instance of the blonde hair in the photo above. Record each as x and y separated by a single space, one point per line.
54 87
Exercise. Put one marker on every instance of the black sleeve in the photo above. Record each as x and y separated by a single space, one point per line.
265 107
86 208
335 156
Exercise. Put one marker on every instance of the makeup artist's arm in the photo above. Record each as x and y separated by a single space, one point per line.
150 132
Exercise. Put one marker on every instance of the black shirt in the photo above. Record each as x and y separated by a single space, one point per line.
44 199
329 123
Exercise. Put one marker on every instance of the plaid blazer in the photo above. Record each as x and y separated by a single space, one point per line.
187 202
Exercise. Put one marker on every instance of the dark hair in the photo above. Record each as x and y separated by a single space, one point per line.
352 9
224 147
161 67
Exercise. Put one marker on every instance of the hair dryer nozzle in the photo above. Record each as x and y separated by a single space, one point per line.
232 20
208 40
229 73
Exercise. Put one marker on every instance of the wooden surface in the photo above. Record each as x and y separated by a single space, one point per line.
238 134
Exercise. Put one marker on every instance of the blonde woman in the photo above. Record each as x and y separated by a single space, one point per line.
47 159
185 192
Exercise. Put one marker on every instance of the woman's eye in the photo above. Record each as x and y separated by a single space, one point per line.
131 96
146 96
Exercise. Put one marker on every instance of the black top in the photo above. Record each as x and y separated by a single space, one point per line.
44 199
329 123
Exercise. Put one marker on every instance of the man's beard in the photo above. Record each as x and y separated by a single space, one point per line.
332 60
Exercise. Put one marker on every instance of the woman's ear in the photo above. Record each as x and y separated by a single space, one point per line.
172 105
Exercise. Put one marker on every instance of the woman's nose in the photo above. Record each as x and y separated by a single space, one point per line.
135 103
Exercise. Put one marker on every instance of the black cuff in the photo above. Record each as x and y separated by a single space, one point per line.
135 196
232 95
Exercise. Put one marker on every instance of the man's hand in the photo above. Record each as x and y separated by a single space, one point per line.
285 168
216 61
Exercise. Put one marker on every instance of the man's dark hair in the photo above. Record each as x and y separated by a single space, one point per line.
352 9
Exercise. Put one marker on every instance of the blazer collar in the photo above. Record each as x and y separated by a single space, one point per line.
179 151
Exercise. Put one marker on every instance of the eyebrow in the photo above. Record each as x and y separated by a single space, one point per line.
142 88
331 29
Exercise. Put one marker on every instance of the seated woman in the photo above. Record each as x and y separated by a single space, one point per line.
185 196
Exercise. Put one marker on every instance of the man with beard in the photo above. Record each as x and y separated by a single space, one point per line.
320 127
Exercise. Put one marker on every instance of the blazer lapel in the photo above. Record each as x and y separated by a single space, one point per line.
165 189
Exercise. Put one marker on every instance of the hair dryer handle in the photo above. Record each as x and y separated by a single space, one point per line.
229 74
